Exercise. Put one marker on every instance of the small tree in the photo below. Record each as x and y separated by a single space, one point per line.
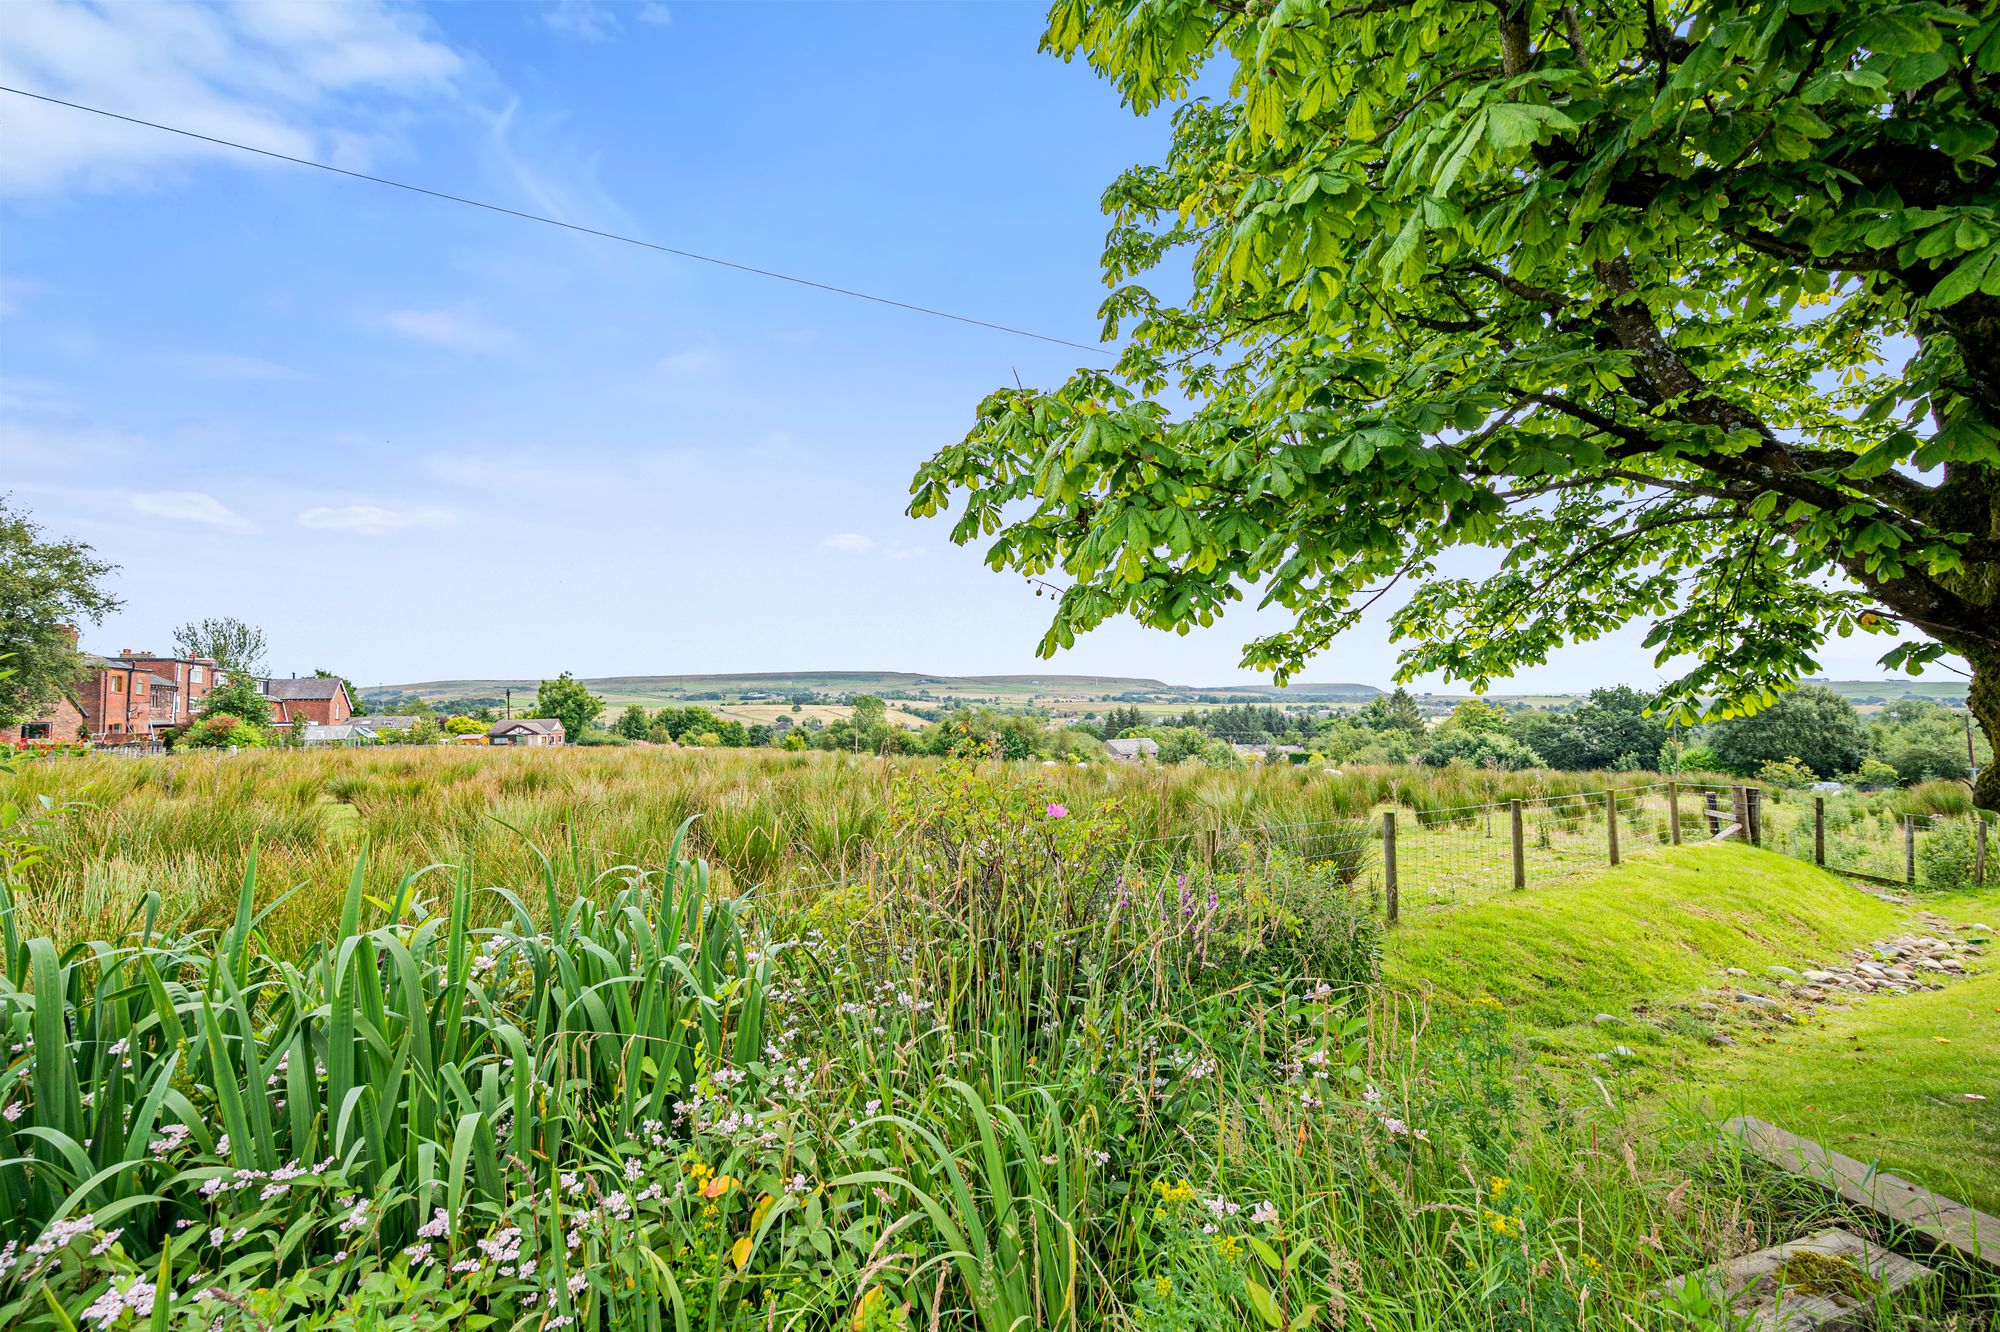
633 723
237 647
45 588
566 699
464 726
240 699
1813 725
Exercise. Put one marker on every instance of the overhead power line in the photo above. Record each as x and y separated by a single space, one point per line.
567 226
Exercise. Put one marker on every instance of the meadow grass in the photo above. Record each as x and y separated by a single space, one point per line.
183 826
1009 1077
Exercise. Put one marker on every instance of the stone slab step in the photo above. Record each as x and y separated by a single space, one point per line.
1944 1222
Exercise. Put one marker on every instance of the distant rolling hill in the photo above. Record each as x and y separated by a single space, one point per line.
1058 693
944 689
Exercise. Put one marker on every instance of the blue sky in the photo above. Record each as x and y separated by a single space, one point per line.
415 440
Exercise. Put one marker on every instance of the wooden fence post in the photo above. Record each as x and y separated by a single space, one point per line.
1714 815
1909 849
1389 863
1674 812
1210 839
1819 830
1739 806
1979 850
1520 845
1611 822
1753 799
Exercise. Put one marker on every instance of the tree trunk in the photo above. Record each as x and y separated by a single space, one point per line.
1983 697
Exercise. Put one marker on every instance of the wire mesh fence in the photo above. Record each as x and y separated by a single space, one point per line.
1413 861
1868 837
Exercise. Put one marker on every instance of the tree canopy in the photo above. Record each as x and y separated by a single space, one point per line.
1814 725
237 647
1687 312
46 588
567 700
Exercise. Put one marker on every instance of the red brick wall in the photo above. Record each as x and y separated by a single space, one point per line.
64 720
181 671
320 711
117 703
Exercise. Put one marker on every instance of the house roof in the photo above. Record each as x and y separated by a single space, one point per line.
311 687
380 721
164 682
1134 747
335 731
531 725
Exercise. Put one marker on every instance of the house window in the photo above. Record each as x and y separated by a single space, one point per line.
117 684
138 684
194 675
34 730
116 727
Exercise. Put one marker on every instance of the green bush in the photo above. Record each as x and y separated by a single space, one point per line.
1786 774
1945 856
1875 773
223 731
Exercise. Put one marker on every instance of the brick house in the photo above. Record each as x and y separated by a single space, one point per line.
117 701
317 701
194 676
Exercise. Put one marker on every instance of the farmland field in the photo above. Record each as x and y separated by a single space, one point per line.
887 1044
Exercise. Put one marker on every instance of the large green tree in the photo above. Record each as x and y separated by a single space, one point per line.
48 588
1814 725
1687 311
567 700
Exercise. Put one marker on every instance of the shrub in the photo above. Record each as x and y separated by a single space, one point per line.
1945 856
222 731
1699 758
1306 920
1875 773
464 726
1786 774
1478 749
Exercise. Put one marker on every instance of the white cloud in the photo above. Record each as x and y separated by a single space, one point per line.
282 77
371 519
14 291
694 361
580 18
229 369
861 544
657 14
459 329
188 506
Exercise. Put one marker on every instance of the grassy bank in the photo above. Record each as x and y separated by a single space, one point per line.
1885 1081
1656 930
1888 1081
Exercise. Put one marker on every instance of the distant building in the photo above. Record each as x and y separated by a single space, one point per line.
339 733
542 732
192 677
317 700
1131 751
1271 753
116 701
